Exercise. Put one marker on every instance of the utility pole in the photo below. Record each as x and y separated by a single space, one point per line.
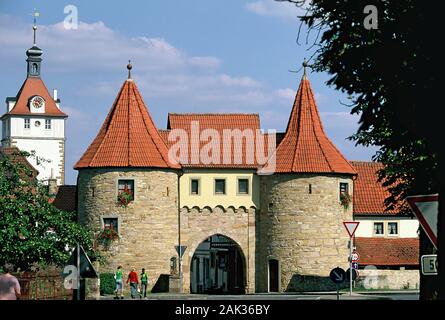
350 265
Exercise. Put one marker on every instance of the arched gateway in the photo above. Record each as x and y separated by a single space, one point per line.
218 266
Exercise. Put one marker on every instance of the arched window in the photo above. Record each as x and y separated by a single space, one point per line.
34 68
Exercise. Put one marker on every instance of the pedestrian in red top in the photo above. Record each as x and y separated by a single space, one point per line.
134 281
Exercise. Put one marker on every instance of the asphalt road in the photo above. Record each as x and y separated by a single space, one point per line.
307 296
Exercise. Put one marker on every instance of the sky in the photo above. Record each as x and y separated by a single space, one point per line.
187 56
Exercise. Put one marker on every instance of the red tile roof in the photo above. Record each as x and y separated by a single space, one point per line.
66 198
128 137
388 252
218 122
30 88
305 146
369 194
14 155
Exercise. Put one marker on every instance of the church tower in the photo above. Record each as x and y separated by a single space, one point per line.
33 121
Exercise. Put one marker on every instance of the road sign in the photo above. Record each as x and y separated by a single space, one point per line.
354 274
355 256
351 226
337 275
180 250
426 209
355 265
429 264
86 269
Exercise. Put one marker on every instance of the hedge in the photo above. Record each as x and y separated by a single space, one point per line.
107 283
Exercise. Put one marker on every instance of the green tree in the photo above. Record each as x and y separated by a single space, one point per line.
391 74
32 230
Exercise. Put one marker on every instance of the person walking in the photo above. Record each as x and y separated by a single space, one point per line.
144 284
134 281
119 283
9 285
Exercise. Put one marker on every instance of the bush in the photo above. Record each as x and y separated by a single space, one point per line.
107 283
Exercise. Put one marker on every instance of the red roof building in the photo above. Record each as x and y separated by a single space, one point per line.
128 137
220 123
388 252
369 194
305 146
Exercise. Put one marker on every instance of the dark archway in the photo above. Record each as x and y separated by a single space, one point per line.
218 266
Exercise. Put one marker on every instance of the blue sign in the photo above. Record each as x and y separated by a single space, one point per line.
337 275
355 265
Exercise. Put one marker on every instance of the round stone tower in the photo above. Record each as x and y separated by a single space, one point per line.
128 190
303 205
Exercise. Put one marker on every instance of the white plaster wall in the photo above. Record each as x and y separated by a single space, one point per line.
18 127
407 227
47 149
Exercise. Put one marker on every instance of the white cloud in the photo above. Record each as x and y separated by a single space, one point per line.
272 8
205 62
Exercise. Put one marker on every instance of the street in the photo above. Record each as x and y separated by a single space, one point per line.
378 295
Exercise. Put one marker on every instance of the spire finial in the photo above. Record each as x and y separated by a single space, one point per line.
34 27
129 67
305 65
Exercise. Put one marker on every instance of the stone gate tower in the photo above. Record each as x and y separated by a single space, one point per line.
127 184
301 234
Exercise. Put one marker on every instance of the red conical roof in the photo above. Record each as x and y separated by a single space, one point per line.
305 146
128 137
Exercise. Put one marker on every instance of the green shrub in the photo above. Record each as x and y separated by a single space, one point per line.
107 283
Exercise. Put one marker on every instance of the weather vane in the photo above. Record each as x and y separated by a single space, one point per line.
305 65
34 27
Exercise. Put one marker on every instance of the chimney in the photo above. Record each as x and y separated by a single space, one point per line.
56 98
52 184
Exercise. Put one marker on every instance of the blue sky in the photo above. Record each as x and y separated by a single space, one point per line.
187 56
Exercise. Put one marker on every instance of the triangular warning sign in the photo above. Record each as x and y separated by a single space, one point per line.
426 210
351 226
86 267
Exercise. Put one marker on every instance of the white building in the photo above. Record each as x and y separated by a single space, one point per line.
33 122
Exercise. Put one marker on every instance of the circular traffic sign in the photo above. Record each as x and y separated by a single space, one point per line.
355 274
337 275
355 257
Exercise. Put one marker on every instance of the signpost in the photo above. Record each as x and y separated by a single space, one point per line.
180 250
351 274
84 269
429 264
337 275
351 227
426 209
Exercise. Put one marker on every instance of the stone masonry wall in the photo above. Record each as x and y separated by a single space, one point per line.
236 223
388 279
303 230
148 227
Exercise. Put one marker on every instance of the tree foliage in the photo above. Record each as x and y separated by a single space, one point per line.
32 230
389 74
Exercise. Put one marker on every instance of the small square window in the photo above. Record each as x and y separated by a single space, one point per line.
378 228
344 188
47 124
27 123
194 186
125 191
393 228
220 186
243 186
111 223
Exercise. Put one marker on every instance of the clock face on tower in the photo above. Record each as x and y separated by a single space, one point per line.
37 102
